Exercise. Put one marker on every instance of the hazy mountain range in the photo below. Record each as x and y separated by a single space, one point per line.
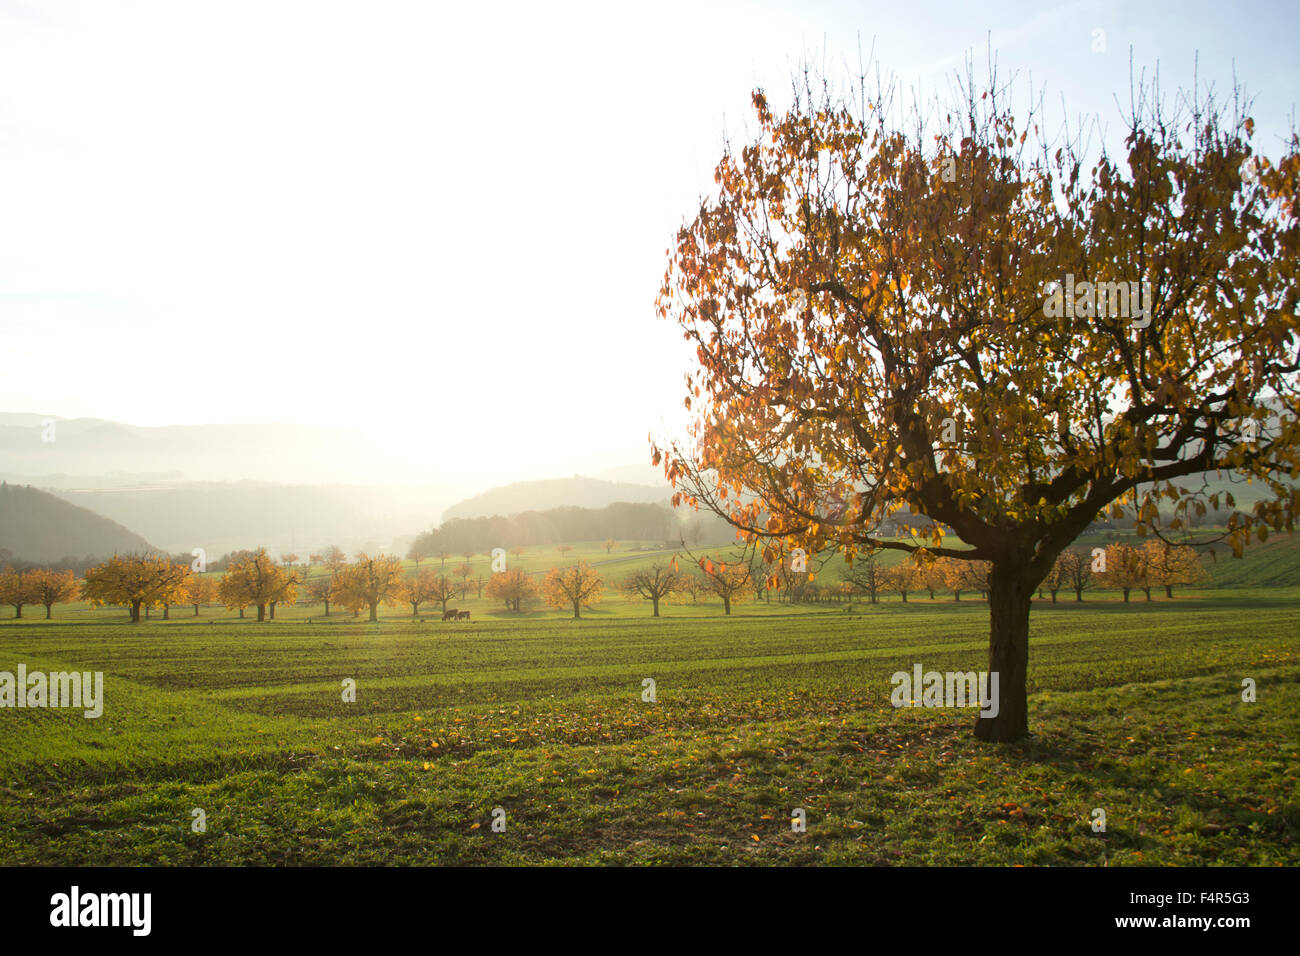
182 487
38 526
553 493
224 516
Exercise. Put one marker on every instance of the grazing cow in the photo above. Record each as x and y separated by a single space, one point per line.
462 615
450 615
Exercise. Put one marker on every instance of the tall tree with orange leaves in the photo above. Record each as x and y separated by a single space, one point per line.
879 314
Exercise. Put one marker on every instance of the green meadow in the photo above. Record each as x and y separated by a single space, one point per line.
1136 710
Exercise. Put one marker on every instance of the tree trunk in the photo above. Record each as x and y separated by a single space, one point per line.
1010 597
167 612
726 604
135 612
48 609
656 603
1169 591
241 612
374 612
327 607
1126 595
576 610
1078 595
196 610
261 613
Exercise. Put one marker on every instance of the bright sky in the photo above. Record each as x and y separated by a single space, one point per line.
445 224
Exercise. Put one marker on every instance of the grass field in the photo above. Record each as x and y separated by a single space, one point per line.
1135 709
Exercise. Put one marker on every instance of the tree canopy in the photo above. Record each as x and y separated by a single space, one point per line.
963 317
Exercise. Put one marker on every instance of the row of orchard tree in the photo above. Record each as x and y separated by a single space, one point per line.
251 579
255 579
34 587
1119 566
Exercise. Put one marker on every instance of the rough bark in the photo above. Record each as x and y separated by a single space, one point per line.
1010 598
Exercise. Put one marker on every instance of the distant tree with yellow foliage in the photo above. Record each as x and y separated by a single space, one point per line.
369 582
905 577
52 587
256 579
963 575
16 589
135 581
513 586
1127 569
200 591
576 587
1172 565
419 587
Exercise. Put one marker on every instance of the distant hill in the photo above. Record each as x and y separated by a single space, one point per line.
554 493
226 516
621 521
38 526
